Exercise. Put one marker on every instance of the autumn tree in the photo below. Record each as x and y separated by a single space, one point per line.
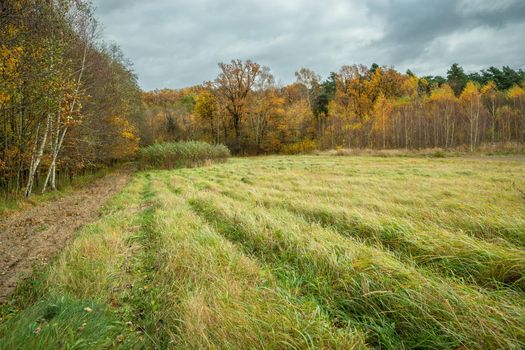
266 109
81 36
490 96
471 101
357 107
443 103
381 113
517 95
52 69
206 107
234 85
309 80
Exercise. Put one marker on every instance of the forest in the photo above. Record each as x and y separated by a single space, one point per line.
357 107
70 103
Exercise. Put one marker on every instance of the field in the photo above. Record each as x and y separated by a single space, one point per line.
302 252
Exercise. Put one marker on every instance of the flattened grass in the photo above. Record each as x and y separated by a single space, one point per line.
454 252
310 252
394 303
214 296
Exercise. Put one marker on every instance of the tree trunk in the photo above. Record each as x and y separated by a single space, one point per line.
59 138
36 157
51 173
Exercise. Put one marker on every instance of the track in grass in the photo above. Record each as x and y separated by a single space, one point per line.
293 252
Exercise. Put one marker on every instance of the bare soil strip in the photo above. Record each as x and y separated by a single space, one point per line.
35 235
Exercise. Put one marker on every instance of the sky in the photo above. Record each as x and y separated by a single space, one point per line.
175 43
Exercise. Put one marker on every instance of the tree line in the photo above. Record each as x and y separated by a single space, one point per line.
356 107
68 102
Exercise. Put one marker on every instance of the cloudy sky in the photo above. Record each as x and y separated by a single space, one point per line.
176 43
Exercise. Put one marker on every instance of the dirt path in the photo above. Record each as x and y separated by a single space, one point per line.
35 235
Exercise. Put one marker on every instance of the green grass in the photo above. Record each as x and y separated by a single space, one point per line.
62 322
304 252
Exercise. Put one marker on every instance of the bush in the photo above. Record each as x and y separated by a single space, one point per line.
301 147
438 154
181 154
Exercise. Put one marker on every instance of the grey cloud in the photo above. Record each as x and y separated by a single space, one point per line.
176 43
413 26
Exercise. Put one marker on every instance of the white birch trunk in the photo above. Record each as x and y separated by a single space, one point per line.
61 133
36 157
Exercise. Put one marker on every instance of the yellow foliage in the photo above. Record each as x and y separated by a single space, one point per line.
206 105
128 135
516 92
443 93
470 92
4 98
304 146
489 88
382 110
128 140
410 86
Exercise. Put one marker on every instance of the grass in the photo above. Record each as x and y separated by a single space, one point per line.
181 154
304 252
65 323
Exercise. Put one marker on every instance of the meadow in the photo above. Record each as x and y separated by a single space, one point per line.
296 252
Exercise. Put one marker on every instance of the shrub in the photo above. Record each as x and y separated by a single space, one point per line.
181 154
301 147
438 154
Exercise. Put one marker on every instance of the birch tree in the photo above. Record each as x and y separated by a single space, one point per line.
471 100
84 29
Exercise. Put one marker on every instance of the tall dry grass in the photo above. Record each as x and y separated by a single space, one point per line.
181 154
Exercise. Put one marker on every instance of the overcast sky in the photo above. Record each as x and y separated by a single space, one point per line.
175 43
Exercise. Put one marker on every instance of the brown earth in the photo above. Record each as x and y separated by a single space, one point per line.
35 235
